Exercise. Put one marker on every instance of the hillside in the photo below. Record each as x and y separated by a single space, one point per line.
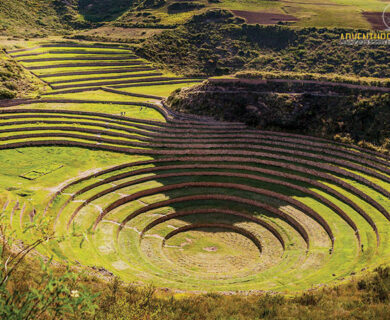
351 113
162 189
216 43
29 18
193 160
15 81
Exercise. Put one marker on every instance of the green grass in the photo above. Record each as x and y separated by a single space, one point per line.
40 72
372 5
92 76
163 90
331 13
201 259
106 82
329 16
59 49
251 5
88 79
106 253
33 19
134 62
338 259
115 109
41 171
99 95
66 55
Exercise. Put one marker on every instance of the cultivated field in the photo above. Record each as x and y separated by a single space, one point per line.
179 200
302 13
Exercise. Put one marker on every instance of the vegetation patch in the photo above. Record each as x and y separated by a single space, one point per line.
264 17
270 201
41 171
314 107
14 81
178 197
73 66
100 10
216 43
184 6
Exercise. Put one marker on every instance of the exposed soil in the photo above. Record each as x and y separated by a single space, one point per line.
375 19
263 17
210 249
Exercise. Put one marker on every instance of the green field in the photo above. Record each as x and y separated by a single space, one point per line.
33 19
330 13
185 202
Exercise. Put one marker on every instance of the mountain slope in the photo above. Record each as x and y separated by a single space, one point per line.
39 17
31 15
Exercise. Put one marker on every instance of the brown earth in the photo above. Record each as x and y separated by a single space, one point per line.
375 19
263 17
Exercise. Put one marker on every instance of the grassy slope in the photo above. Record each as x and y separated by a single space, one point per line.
28 17
33 17
349 117
163 90
91 253
73 166
77 161
331 13
361 298
351 301
367 299
132 111
15 81
225 46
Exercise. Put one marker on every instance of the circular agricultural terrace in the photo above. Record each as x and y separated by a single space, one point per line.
212 205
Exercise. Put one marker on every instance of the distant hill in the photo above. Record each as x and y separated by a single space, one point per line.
26 17
37 17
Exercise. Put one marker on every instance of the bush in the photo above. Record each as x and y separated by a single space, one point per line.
279 48
6 93
28 292
146 4
308 299
184 6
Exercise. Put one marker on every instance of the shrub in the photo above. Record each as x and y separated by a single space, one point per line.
27 292
280 46
308 299
184 6
6 93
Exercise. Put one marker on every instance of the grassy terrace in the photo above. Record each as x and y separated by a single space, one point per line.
69 66
136 206
184 201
